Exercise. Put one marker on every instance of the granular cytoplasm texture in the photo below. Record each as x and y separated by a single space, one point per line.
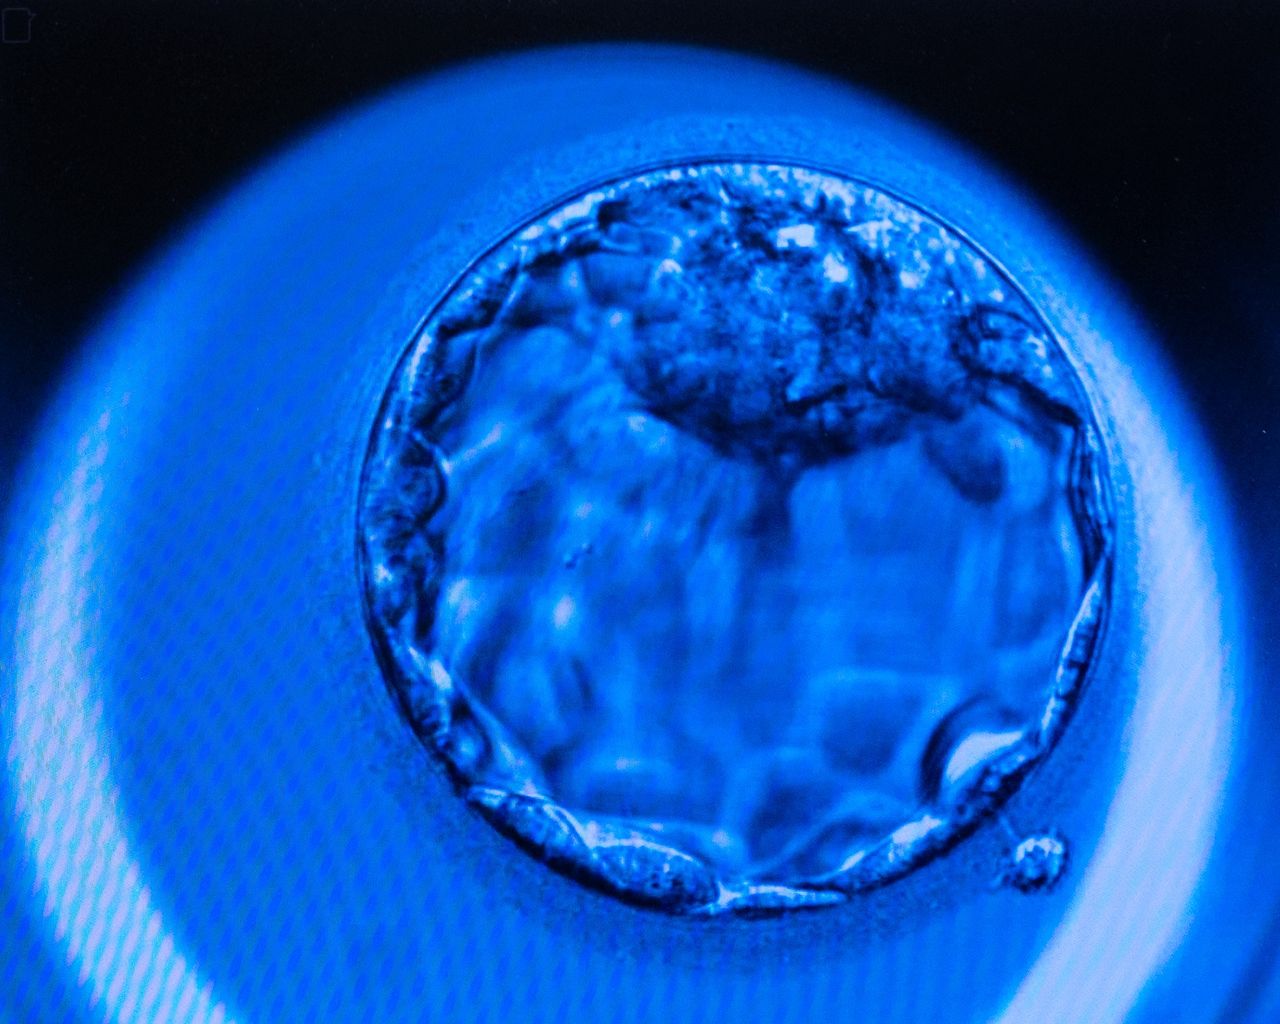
735 536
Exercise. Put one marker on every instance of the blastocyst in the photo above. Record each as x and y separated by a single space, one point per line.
734 536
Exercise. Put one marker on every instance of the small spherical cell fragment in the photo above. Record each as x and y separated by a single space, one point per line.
1036 863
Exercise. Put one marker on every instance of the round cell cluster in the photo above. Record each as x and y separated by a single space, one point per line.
735 537
1036 863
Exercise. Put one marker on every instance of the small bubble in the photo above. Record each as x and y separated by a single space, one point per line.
1036 864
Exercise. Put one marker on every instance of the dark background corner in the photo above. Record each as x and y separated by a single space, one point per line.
1152 129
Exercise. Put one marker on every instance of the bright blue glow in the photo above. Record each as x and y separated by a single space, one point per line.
1179 743
217 810
93 890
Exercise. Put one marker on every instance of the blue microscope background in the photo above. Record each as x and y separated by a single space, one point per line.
1201 280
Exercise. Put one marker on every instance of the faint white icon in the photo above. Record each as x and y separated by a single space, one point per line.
15 24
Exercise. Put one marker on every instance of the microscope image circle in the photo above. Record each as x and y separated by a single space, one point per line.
735 537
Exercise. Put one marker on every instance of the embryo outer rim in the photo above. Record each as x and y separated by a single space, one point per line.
926 836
